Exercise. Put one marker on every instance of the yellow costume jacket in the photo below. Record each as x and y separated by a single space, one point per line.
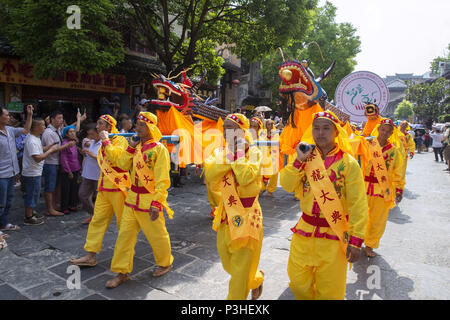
157 159
408 143
346 176
394 165
246 171
116 143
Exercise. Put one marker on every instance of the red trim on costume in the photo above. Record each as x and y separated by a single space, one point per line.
106 142
371 179
355 241
247 202
299 164
144 118
131 150
136 208
146 147
326 115
334 158
315 221
387 147
137 189
235 119
156 204
117 169
213 213
399 191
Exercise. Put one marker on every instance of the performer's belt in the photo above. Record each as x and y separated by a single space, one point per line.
371 179
137 189
315 221
246 203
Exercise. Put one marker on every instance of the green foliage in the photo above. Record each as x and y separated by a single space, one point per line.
436 61
336 41
207 59
37 31
182 33
430 100
404 110
444 118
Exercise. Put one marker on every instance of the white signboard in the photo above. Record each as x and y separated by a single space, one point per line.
356 90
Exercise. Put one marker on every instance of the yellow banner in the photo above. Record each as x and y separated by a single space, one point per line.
120 180
146 176
16 72
244 223
327 197
379 167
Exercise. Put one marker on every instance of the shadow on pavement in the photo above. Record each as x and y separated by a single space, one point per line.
377 280
396 216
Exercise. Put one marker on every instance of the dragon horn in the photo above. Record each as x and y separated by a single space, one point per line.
306 47
170 78
327 72
199 84
273 56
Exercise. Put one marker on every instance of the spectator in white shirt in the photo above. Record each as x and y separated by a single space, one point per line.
90 173
437 137
33 156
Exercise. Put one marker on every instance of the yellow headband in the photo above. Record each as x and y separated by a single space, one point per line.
395 136
111 121
151 121
342 137
243 123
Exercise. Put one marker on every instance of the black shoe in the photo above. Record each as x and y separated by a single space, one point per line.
33 221
37 215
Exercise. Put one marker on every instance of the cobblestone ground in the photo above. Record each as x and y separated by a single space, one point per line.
413 261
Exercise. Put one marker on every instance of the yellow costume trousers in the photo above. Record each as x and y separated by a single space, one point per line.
241 264
272 185
378 215
106 205
317 269
155 232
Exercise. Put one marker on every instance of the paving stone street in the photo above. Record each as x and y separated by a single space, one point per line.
414 256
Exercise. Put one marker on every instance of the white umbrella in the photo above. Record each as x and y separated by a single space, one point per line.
262 109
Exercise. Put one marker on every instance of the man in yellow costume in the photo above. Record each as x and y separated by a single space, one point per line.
408 145
383 177
373 118
238 219
149 164
270 134
112 191
334 205
256 131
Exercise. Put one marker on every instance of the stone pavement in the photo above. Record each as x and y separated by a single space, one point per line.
414 260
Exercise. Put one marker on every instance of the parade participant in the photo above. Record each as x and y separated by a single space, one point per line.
238 219
408 145
149 163
334 205
383 176
270 134
112 191
373 118
256 129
